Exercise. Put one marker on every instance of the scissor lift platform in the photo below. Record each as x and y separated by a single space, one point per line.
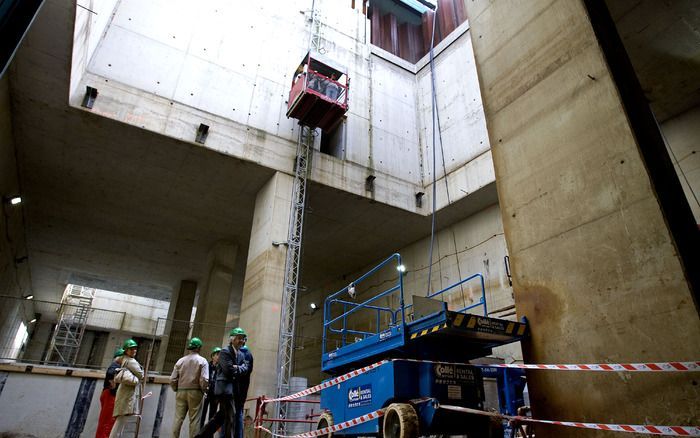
443 335
428 347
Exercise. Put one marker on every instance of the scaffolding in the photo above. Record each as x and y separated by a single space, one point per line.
72 319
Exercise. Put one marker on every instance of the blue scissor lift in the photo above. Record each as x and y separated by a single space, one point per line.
425 346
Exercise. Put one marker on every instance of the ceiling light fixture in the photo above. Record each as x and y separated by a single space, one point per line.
12 200
401 268
29 297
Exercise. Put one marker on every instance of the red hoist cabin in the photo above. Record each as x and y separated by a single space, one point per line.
319 93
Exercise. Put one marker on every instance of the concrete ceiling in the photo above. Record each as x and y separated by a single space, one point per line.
662 38
121 208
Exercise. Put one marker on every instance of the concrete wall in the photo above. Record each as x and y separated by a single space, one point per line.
682 134
594 266
171 71
461 113
91 21
141 314
25 398
14 272
473 245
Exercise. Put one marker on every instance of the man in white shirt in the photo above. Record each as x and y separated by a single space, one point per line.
190 380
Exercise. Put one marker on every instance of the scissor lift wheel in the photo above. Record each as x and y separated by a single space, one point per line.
400 421
324 421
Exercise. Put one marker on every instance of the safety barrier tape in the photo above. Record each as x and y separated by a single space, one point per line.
692 431
608 367
344 425
615 367
647 366
328 383
330 429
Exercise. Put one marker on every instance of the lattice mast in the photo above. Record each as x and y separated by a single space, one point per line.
292 271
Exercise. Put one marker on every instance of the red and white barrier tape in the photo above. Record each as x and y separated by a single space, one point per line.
328 383
647 366
607 367
615 367
331 429
344 425
692 431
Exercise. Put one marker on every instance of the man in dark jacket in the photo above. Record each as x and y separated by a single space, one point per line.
209 403
109 393
243 385
226 389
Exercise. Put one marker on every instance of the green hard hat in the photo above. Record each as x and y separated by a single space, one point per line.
215 350
129 343
118 352
194 344
237 332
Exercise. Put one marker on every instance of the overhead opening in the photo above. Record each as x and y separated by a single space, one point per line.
333 141
86 327
404 27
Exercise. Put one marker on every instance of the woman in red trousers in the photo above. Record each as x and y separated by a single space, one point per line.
109 392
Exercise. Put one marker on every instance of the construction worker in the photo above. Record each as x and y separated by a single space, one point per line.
190 380
209 403
231 366
243 385
109 393
128 399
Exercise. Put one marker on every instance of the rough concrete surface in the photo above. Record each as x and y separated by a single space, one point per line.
595 270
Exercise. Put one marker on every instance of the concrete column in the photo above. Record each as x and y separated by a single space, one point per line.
595 268
214 297
264 277
173 343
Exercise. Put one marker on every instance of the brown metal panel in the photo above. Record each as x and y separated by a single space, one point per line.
460 12
390 34
415 43
376 28
446 17
404 45
427 27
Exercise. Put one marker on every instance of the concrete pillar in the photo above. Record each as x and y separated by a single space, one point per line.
177 327
595 268
264 277
214 297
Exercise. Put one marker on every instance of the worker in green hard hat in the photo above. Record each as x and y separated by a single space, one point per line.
231 367
209 402
243 385
190 380
107 397
128 398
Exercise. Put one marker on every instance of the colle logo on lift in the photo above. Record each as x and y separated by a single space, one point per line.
360 396
444 371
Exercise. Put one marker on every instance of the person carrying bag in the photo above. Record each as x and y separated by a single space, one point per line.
128 400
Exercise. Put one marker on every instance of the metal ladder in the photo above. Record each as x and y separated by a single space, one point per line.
292 269
70 327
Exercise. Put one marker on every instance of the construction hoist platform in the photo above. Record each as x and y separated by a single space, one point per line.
318 98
